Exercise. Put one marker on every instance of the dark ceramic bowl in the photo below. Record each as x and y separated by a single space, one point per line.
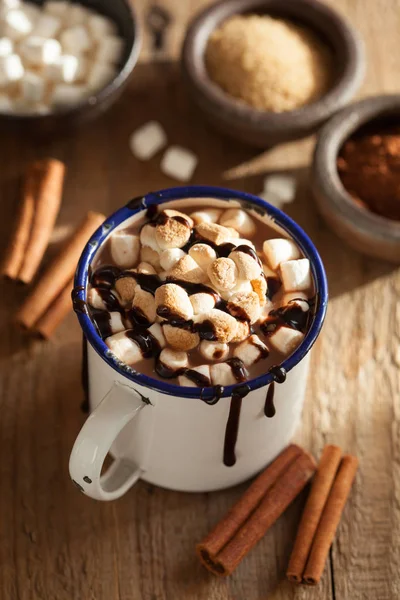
261 128
364 230
122 13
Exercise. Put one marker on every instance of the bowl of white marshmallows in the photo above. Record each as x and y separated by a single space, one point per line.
63 62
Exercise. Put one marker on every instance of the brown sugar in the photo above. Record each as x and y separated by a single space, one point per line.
270 64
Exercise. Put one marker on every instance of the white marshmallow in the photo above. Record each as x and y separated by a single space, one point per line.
202 302
38 51
47 26
281 186
33 88
285 340
100 26
125 249
146 268
293 296
221 374
157 332
64 95
174 360
148 238
17 24
271 199
147 140
187 382
179 163
116 324
33 11
239 220
77 15
95 300
67 69
75 40
6 104
110 50
280 250
169 257
296 274
6 46
209 215
203 254
58 8
215 351
100 75
11 69
251 350
150 256
124 348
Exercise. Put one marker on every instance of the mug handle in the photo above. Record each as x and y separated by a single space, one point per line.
119 406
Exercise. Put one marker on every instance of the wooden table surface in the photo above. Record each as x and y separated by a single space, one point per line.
56 544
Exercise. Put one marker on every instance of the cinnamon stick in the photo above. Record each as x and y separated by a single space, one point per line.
330 520
287 486
58 274
316 501
48 189
61 306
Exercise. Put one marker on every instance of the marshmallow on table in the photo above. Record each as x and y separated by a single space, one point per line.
100 75
245 305
100 26
144 303
281 186
38 51
223 326
187 269
173 301
6 46
239 220
58 8
251 350
202 302
221 374
110 50
280 250
157 333
33 88
169 257
17 24
11 69
214 351
147 140
203 254
47 26
209 215
179 163
173 360
185 381
64 94
124 348
125 249
296 274
180 339
223 273
285 340
75 40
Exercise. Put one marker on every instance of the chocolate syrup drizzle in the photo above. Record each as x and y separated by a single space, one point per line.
269 408
232 425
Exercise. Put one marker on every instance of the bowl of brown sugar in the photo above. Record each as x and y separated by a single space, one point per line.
266 71
356 175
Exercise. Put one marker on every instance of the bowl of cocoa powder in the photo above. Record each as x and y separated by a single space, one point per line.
267 71
356 175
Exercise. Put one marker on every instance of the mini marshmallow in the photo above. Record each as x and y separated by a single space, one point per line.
125 249
251 350
100 26
239 220
174 360
210 215
38 51
157 332
179 163
11 69
75 39
217 234
221 374
146 269
58 8
95 300
100 75
202 302
147 140
170 212
125 287
280 250
290 296
224 326
242 332
214 351
204 370
110 50
223 273
241 242
150 256
144 303
260 287
6 46
248 268
169 258
188 270
296 274
267 271
47 26
285 340
245 306
116 324
180 339
65 95
203 254
172 233
77 14
173 301
124 348
67 69
148 237
281 186
33 88
33 11
17 24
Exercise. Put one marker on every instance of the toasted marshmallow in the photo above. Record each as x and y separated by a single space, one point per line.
245 306
150 256
144 303
217 234
296 274
172 233
146 269
172 301
169 258
221 374
239 220
215 351
242 331
163 275
203 370
180 339
95 300
280 250
116 324
170 212
125 287
187 269
251 350
223 273
259 285
124 348
125 249
157 332
285 340
173 359
148 237
211 215
248 268
203 254
202 302
223 326
237 241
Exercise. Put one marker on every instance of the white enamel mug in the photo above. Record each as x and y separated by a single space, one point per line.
177 437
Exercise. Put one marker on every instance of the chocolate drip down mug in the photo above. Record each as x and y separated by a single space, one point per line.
179 437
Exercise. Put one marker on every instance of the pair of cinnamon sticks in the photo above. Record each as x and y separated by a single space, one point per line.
268 497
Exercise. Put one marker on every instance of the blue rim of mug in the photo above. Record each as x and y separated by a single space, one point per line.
188 192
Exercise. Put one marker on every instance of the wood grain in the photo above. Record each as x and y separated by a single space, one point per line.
57 544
